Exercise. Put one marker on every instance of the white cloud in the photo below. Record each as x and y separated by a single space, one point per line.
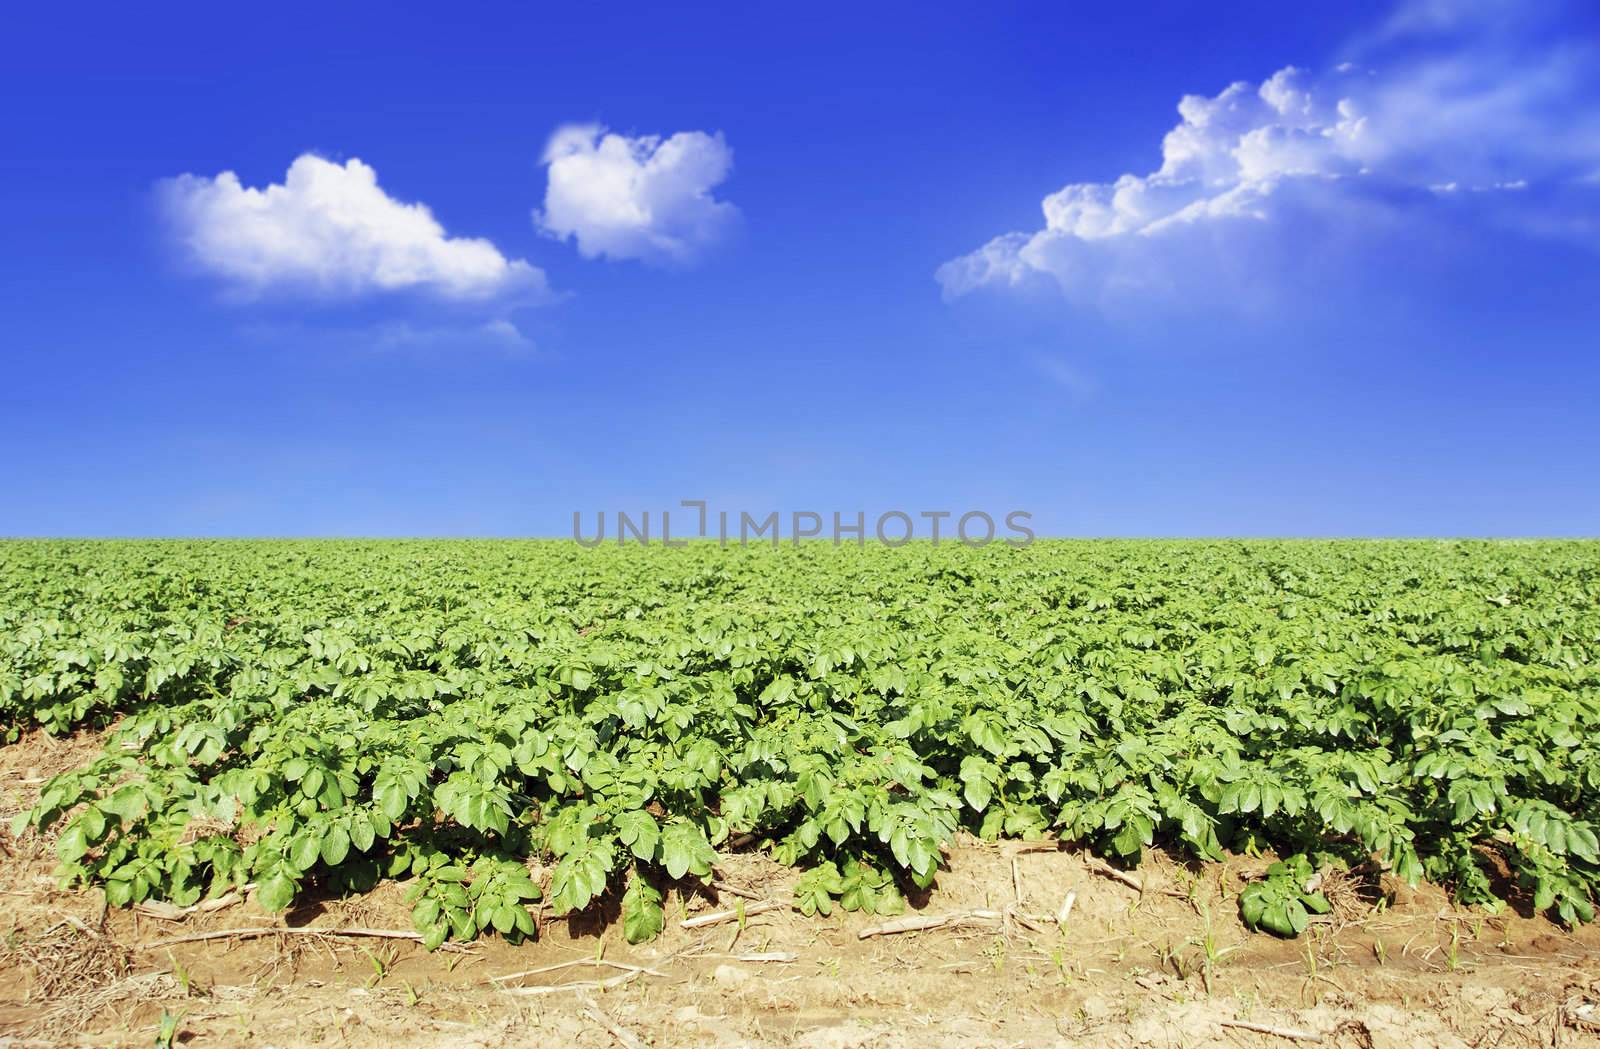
1260 176
428 338
1431 17
330 228
1076 384
644 198
498 334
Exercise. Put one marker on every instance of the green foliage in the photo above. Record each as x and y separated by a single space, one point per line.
814 892
642 914
1284 900
324 715
863 887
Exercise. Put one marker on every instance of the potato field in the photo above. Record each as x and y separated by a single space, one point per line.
505 724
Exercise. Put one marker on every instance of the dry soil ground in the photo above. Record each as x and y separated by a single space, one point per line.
1168 966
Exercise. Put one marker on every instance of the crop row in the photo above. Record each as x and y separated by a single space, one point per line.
505 722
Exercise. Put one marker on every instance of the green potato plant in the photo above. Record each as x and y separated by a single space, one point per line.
500 723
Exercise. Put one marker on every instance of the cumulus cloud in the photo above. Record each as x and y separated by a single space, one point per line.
1426 124
644 198
331 229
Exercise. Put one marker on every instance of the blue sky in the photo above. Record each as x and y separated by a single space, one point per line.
830 257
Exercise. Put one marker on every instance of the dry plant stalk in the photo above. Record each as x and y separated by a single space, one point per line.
68 959
718 917
625 1037
1281 1032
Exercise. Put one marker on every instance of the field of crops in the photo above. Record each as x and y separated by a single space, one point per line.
503 722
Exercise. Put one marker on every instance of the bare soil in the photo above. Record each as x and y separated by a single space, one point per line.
1168 966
